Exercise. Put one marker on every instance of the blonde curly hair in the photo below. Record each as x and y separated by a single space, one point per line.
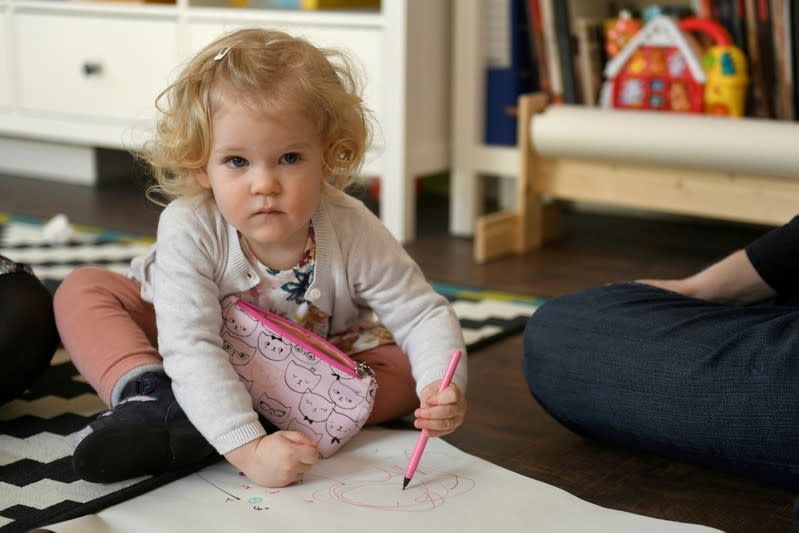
267 70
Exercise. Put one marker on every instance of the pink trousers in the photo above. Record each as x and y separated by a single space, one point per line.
109 331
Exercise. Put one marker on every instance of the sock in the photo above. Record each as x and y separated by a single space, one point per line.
129 376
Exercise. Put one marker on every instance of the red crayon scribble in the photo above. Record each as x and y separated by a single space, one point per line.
430 490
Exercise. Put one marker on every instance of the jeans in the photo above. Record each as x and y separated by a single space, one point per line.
703 382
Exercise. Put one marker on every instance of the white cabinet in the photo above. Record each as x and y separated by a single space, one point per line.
5 88
365 45
100 67
85 74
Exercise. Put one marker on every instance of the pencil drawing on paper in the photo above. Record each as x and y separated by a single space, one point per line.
375 487
381 490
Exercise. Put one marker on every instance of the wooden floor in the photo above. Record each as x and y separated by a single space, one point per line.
504 424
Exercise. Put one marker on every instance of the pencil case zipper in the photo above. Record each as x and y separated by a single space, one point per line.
286 328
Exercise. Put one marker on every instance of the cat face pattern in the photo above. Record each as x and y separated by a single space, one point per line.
300 392
239 353
239 324
274 410
301 379
273 347
315 408
343 396
303 355
340 427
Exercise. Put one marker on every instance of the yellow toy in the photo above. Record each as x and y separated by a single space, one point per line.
725 67
725 89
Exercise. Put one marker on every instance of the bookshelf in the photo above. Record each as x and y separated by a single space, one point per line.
472 160
80 75
610 157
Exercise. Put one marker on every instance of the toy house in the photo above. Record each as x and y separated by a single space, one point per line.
659 69
662 68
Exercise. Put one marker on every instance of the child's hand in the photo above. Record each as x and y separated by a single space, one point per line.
275 460
442 412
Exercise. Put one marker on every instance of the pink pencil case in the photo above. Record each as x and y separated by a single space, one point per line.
297 380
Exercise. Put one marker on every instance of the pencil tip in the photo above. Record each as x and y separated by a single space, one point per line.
405 482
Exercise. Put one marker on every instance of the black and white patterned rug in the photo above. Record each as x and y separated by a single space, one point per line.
37 431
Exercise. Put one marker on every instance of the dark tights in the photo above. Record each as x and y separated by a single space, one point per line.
28 336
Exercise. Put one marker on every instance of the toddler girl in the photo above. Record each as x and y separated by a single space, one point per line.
256 138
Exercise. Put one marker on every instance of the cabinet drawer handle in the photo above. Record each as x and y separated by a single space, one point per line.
91 68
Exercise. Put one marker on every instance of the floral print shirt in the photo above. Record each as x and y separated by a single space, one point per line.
282 291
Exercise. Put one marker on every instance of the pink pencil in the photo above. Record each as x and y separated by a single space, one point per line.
422 442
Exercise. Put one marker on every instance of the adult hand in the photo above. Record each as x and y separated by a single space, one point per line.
732 280
682 286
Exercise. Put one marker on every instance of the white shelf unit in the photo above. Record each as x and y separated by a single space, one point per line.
79 75
5 90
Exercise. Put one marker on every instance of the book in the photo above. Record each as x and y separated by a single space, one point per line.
566 50
765 41
783 87
509 68
725 10
738 26
590 58
794 24
538 45
551 48
756 97
788 59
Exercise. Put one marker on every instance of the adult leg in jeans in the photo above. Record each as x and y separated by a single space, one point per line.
703 382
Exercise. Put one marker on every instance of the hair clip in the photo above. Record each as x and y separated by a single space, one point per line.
222 53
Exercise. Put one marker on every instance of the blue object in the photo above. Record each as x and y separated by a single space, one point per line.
727 64
504 85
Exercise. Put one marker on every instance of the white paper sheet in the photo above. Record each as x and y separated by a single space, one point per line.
360 489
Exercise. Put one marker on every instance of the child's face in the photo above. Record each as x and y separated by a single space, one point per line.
266 173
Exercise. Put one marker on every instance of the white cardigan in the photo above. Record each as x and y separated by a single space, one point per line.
197 261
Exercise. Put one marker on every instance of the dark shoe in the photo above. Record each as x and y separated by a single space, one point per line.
146 433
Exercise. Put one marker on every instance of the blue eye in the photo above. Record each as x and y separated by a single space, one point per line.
237 162
290 158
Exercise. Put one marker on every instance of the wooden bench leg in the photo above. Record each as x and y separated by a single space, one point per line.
540 220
